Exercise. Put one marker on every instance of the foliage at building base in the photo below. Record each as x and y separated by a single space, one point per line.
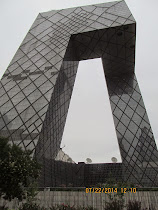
18 171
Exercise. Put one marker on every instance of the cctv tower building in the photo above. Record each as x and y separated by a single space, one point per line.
36 89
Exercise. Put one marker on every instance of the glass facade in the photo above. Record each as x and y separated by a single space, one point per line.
36 89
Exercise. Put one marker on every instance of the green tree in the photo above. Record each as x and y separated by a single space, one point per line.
18 170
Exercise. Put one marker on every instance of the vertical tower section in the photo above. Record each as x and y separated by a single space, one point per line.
135 137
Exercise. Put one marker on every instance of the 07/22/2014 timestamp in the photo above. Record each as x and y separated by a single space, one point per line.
110 190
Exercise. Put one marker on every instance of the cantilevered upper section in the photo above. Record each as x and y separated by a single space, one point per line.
110 25
102 30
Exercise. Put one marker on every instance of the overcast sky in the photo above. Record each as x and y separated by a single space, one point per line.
89 131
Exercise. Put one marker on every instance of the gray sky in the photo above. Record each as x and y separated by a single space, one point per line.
89 132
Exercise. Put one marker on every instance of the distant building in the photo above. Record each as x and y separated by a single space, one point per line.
61 156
